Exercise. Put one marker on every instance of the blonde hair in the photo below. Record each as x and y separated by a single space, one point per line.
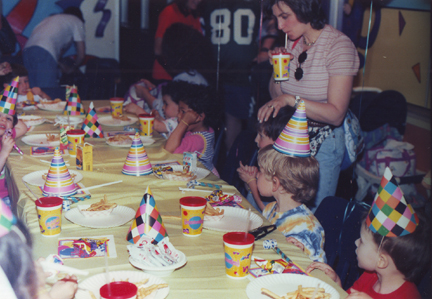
297 176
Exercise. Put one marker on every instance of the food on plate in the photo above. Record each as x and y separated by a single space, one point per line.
213 214
101 206
300 293
52 137
121 117
51 102
120 139
168 173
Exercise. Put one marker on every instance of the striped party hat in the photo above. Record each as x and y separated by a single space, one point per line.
294 139
7 219
148 221
9 97
59 181
91 125
390 215
73 104
137 162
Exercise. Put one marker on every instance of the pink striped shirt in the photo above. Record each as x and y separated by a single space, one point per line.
333 54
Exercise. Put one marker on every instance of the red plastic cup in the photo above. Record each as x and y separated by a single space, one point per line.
118 290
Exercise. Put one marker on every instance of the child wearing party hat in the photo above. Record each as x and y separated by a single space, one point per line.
393 248
289 174
20 276
10 128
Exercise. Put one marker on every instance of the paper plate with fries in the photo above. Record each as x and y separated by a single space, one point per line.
234 220
32 120
148 285
55 106
119 216
290 286
42 140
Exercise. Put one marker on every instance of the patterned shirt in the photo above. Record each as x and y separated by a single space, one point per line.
301 224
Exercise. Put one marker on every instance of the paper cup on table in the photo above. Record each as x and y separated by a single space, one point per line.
192 214
116 106
49 211
281 63
118 290
74 137
238 252
146 124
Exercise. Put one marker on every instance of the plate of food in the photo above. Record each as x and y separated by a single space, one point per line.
160 271
65 120
281 284
56 106
37 178
32 120
123 120
42 140
147 284
176 173
99 209
234 220
119 216
125 140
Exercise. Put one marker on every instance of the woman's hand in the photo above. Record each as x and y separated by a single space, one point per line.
326 269
272 107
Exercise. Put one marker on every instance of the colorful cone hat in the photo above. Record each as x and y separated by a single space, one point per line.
73 104
91 125
7 219
59 181
148 221
294 139
9 97
390 214
137 162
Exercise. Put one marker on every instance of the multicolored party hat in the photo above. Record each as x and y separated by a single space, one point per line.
294 139
9 97
91 125
148 221
73 104
390 215
59 181
7 219
137 162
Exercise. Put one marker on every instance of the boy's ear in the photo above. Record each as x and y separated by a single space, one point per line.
202 116
275 184
383 261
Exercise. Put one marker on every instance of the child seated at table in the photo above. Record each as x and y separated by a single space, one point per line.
171 94
198 111
267 133
393 250
25 93
20 276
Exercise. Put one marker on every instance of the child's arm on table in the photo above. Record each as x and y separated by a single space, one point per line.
159 124
248 175
326 269
134 109
39 92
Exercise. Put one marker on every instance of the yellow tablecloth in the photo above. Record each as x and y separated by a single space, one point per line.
204 274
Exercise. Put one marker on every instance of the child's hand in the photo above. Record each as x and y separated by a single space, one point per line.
326 269
191 117
36 91
133 108
5 68
148 84
7 144
358 295
247 173
65 288
157 115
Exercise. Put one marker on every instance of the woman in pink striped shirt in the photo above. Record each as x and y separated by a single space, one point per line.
323 64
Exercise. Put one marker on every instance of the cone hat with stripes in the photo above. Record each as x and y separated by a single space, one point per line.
73 104
294 139
59 181
9 97
137 162
91 125
390 215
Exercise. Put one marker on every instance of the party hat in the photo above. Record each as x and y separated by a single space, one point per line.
59 181
73 104
390 214
137 162
148 221
9 98
91 125
294 139
7 219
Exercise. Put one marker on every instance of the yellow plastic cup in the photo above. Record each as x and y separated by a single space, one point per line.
74 137
146 124
116 106
281 63
192 215
49 210
238 254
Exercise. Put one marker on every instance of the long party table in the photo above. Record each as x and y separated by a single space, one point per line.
203 276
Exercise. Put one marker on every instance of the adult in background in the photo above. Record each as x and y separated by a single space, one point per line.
324 63
180 11
48 42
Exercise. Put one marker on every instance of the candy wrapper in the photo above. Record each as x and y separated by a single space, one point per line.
190 161
266 267
217 198
194 183
84 248
161 255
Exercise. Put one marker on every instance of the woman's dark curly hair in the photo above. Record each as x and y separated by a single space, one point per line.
307 11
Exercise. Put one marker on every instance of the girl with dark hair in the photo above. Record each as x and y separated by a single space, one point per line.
323 64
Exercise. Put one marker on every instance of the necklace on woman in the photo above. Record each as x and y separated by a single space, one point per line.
308 44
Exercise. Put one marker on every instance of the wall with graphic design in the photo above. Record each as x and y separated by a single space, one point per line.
101 21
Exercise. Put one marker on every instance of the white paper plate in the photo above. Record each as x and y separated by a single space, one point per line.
160 271
281 284
107 120
145 141
119 216
39 140
95 282
35 178
234 220
200 173
32 120
74 120
56 107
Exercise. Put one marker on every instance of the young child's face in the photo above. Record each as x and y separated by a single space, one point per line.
6 122
264 185
23 86
367 250
170 108
263 140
